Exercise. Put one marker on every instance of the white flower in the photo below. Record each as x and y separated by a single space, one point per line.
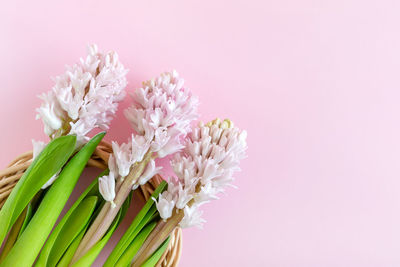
85 97
209 170
165 204
205 166
140 145
192 217
161 116
50 112
161 138
162 112
184 196
149 172
123 157
107 187
207 193
171 147
51 180
112 165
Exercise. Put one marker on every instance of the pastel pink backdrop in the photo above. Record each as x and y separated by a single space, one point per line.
315 83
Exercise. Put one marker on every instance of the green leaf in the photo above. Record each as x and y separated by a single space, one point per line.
92 190
135 245
32 239
45 165
27 218
69 254
21 223
141 219
32 207
152 261
91 255
13 235
76 222
150 215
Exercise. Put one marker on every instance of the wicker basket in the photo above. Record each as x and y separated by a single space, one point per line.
11 175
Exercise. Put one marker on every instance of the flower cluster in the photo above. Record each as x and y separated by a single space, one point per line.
119 164
162 112
205 166
160 115
85 97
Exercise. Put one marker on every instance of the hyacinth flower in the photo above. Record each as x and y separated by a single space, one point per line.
161 114
204 168
85 97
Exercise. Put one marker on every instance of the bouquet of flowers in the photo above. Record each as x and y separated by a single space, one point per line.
35 187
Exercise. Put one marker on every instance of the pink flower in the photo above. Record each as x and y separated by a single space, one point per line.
123 158
192 217
149 172
162 112
205 167
161 116
107 187
165 204
85 97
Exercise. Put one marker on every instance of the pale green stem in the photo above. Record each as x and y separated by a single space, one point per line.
160 233
107 214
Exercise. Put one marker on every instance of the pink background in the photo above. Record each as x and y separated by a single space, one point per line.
315 83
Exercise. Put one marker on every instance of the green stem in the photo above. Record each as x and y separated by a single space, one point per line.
107 214
157 237
141 220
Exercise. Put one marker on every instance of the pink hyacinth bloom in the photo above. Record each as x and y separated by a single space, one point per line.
160 115
85 97
204 168
162 112
107 187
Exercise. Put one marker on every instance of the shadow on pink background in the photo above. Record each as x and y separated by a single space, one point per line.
315 83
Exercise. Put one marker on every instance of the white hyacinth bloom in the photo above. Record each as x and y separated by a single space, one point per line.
192 217
123 157
205 167
112 164
162 112
149 172
207 193
51 180
140 145
184 196
161 115
107 187
165 204
107 182
85 97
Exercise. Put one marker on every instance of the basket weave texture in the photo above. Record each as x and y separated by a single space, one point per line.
10 176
